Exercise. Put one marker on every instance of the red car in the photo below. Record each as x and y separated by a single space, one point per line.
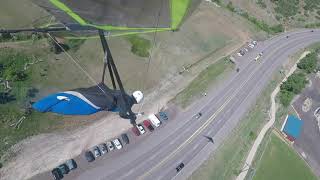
135 130
147 124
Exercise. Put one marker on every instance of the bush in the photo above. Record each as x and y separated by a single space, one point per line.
295 83
139 45
230 6
286 97
308 63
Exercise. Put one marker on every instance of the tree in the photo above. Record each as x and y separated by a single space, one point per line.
308 63
295 83
286 97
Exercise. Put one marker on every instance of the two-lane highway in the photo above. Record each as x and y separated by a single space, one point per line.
183 139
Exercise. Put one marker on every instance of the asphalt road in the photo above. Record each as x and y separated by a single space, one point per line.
182 138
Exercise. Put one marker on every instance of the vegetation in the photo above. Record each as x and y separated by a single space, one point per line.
287 8
201 83
280 162
294 85
7 37
139 45
312 25
308 63
74 44
297 81
258 23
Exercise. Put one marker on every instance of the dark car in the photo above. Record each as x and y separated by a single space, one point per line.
135 130
89 156
179 167
56 174
71 164
125 138
147 124
103 148
63 169
163 116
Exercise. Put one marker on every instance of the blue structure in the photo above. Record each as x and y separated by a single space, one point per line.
293 127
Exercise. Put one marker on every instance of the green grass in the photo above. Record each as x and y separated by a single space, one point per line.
42 78
227 161
201 83
139 45
281 162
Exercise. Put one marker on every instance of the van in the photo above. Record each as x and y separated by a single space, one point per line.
154 120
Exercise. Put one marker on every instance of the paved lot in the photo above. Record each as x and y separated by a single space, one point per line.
308 142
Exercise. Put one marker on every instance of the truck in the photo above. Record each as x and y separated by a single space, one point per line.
154 120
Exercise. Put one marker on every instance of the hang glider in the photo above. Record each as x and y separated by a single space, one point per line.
121 15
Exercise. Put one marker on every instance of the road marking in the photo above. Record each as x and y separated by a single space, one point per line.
195 147
207 122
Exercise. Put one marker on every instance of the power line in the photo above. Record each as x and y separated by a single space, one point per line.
157 20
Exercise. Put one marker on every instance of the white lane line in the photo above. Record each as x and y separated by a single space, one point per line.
195 147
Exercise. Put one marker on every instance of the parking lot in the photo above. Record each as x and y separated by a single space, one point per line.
135 137
308 143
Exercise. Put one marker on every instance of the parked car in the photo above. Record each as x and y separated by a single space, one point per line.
141 129
241 53
89 156
154 120
56 174
254 42
63 169
117 143
71 164
179 167
96 152
103 148
135 130
110 146
250 45
245 49
163 116
125 138
147 124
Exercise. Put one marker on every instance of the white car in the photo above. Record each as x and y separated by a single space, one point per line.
258 57
141 129
251 46
117 143
254 42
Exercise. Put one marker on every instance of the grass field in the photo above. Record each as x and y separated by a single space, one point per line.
17 14
41 79
281 162
201 83
226 162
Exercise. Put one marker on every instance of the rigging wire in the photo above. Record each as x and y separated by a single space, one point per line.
157 20
77 64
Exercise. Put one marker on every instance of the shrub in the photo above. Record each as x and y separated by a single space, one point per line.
308 63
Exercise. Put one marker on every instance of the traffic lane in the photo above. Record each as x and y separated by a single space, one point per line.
246 90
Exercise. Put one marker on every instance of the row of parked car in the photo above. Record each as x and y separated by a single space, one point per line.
104 148
138 130
250 45
59 172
